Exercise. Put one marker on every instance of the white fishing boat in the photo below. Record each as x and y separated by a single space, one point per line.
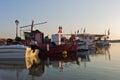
85 44
12 51
102 40
82 46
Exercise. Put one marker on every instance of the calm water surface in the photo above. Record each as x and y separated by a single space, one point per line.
104 64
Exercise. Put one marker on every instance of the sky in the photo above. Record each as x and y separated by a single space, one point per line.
96 16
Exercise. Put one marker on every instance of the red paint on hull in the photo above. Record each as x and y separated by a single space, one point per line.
71 47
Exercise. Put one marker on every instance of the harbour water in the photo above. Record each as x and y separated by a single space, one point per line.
103 64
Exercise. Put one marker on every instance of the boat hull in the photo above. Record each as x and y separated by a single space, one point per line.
82 47
71 47
12 51
61 48
47 51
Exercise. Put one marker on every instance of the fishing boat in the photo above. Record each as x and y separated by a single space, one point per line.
47 50
85 42
102 40
82 46
47 47
52 47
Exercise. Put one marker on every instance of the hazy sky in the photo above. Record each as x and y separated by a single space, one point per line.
94 15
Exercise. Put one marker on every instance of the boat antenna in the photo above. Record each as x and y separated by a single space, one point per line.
33 24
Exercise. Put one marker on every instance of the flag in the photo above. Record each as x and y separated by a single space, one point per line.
77 31
108 31
32 25
84 30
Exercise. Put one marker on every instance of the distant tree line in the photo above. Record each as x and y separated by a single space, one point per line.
114 41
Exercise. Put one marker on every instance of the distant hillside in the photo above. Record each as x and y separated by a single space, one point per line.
115 41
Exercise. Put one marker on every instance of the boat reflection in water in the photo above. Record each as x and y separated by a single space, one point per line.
84 57
37 69
21 69
63 60
12 69
60 60
33 67
104 50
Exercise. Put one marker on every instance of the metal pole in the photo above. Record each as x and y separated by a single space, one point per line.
16 22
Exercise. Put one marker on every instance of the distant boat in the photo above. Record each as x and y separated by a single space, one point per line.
82 46
102 40
85 43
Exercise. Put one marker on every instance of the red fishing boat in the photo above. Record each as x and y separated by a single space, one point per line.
43 51
49 47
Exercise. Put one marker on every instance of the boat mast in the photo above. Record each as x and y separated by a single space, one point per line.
16 22
32 25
